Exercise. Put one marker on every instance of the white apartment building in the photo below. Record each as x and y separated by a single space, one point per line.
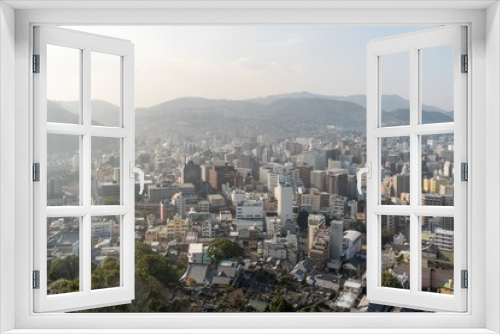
443 239
284 195
249 209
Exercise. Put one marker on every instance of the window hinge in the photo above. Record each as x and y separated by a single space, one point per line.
464 171
465 64
36 279
465 279
36 172
36 63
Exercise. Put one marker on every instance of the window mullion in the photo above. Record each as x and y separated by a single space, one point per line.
86 179
415 261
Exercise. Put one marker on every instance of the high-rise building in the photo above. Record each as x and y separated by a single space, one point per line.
179 202
336 239
400 184
318 179
191 173
315 158
284 195
222 174
336 181
305 175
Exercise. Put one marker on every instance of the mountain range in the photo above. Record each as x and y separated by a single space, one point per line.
272 114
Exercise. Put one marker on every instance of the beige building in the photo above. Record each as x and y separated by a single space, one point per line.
176 228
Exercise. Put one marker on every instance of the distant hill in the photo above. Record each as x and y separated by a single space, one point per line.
102 112
278 114
402 117
389 102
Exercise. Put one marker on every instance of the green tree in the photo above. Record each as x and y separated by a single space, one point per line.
221 249
302 218
141 250
157 266
63 286
67 268
107 275
389 280
280 304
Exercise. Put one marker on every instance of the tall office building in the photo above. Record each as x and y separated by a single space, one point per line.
318 180
284 195
336 181
400 184
336 239
222 174
191 173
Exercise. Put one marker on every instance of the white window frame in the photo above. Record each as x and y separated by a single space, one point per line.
483 19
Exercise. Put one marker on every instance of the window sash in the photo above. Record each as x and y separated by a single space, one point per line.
414 298
86 298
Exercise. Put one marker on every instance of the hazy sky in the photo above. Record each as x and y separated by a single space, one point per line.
236 62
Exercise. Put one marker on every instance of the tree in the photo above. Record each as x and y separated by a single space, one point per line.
157 266
389 280
67 268
302 218
221 249
107 275
63 286
280 304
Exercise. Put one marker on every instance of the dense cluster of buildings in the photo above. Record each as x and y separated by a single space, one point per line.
290 203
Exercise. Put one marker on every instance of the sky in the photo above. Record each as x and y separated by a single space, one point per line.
242 62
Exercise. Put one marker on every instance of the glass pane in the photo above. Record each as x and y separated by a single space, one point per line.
437 84
105 89
106 171
395 89
63 84
63 255
395 170
63 170
395 243
105 236
437 254
437 170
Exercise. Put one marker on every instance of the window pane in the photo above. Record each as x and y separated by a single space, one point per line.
437 84
395 89
395 242
63 170
63 255
395 170
106 171
437 254
63 84
105 89
105 235
437 170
